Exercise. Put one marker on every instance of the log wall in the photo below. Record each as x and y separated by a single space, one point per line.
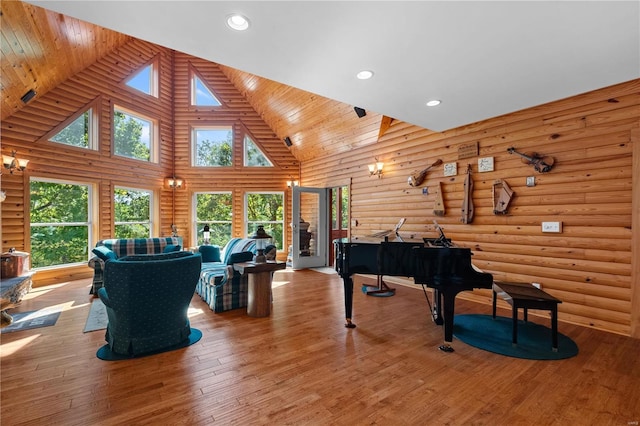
590 190
102 83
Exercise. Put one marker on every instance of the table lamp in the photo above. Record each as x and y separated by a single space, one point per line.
262 240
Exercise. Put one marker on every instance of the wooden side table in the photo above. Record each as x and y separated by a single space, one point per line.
259 289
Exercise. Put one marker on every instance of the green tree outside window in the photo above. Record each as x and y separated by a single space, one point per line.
59 215
215 210
132 213
266 209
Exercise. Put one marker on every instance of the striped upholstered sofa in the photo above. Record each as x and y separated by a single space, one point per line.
220 286
117 248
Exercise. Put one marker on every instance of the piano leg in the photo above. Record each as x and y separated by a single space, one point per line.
348 301
449 306
437 307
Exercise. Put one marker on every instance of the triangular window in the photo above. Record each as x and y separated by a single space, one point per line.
79 130
145 80
253 156
201 95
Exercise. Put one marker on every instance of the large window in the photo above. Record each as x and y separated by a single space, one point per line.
134 135
133 208
60 215
214 209
212 146
266 208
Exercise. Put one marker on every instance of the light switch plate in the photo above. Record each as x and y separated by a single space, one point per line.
552 227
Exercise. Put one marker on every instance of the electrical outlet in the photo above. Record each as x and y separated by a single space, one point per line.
552 227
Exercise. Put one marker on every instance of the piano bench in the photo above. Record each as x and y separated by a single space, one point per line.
526 296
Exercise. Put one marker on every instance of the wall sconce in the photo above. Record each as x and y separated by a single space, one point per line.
12 163
174 183
291 183
376 169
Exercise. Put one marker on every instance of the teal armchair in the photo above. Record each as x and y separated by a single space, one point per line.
147 298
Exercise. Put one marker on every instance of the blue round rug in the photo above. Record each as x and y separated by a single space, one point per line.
494 335
106 354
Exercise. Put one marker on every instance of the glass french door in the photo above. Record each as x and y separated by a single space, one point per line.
310 236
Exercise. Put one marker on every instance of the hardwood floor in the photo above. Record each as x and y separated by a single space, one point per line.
301 366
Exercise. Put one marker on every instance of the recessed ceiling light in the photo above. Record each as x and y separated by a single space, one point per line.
364 75
433 102
237 22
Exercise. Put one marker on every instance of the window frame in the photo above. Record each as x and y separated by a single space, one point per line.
91 224
154 136
153 216
194 143
93 108
193 74
246 221
198 224
154 79
246 134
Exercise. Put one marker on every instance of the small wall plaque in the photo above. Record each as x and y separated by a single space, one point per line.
485 164
468 150
450 169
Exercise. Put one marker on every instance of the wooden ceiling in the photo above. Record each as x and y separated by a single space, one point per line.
41 49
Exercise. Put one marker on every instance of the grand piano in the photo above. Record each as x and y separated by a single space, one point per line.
447 270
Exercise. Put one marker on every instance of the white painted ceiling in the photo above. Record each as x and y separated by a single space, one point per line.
481 58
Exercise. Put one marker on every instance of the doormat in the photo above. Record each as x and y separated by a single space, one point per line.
97 319
32 319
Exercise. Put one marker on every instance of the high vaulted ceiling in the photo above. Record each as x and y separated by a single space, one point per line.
480 58
296 65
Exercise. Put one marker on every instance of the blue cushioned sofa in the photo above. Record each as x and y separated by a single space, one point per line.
117 248
220 286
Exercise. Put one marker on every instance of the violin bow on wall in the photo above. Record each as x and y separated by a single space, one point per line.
541 163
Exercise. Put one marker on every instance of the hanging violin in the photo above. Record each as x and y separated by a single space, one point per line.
541 163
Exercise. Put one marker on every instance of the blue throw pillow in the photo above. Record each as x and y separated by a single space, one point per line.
244 256
170 248
104 253
210 253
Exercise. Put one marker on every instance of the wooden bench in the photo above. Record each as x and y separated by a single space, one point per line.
526 296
